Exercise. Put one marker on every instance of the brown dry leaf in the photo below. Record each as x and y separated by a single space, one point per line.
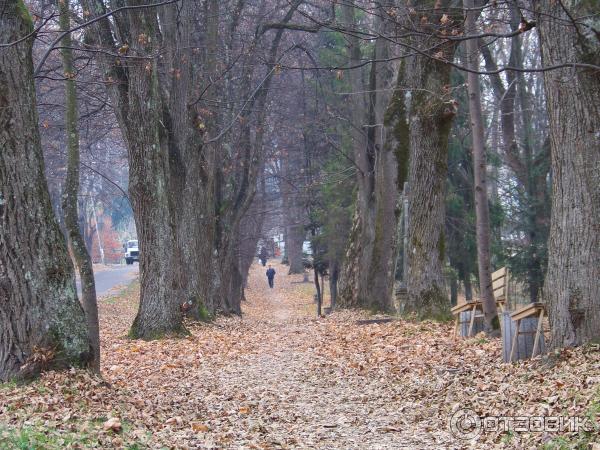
275 378
112 424
200 427
177 420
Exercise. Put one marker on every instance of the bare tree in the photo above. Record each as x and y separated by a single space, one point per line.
71 190
367 278
568 33
482 211
41 321
421 116
524 144
193 168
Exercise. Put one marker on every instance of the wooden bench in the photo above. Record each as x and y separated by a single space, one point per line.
500 288
532 310
473 307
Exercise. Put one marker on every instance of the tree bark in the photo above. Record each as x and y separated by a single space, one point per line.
160 259
468 288
571 289
319 292
71 191
292 184
334 273
295 240
377 288
147 127
348 281
424 117
367 278
40 314
351 271
482 211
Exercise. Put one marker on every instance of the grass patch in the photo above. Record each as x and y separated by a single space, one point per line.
8 385
204 314
31 438
307 289
583 439
81 434
124 293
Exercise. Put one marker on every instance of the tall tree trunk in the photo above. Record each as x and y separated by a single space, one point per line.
334 273
367 278
39 309
482 211
426 192
166 185
71 191
147 138
351 272
379 254
424 119
295 240
319 292
468 288
291 189
571 289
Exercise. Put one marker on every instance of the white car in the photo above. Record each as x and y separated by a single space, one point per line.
132 252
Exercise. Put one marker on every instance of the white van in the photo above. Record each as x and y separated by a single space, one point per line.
132 252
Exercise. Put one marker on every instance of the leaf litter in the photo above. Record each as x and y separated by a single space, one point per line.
280 378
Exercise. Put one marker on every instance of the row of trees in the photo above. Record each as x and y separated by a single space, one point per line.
418 123
188 87
418 78
338 106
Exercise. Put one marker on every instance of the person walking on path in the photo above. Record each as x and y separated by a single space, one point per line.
270 275
263 256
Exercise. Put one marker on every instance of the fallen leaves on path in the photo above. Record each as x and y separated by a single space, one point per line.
281 378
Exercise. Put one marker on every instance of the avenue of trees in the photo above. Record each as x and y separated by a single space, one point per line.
445 137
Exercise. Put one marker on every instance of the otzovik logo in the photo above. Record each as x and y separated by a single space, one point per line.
465 424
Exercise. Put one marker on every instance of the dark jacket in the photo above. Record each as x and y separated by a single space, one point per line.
271 273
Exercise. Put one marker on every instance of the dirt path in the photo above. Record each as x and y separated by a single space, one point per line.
279 378
269 380
266 304
290 397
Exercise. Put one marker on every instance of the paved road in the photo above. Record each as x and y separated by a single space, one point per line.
108 280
